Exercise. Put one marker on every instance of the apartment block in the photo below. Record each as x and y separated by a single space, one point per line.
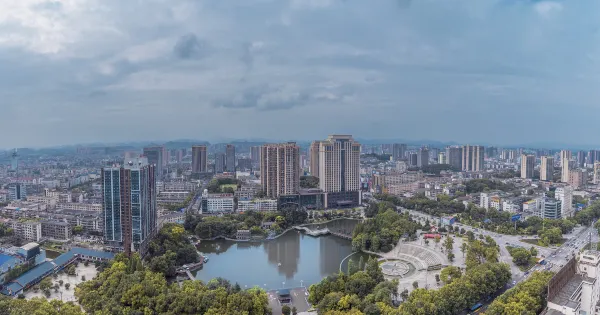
527 165
547 168
473 158
280 169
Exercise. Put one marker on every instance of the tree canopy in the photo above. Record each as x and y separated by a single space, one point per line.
170 249
128 288
527 298
382 232
309 182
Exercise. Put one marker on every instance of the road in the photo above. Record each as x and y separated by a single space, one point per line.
555 257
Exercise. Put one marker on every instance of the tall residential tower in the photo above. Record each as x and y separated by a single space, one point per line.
129 205
199 159
280 169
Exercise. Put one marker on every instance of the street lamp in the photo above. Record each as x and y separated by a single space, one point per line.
301 283
283 285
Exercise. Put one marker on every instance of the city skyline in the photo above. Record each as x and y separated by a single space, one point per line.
88 71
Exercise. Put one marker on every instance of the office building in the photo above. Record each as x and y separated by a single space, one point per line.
423 157
216 203
156 156
551 208
565 195
244 164
129 205
527 165
565 157
220 162
472 158
339 164
17 191
578 178
230 158
398 151
280 169
454 157
547 168
199 159
314 158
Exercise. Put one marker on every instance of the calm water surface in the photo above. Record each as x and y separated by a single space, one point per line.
274 264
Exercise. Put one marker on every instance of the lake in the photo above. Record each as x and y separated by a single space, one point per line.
292 260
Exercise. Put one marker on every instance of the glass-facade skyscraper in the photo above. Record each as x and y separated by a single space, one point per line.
129 205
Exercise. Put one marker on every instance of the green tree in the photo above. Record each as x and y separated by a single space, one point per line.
415 284
352 268
78 229
449 243
286 310
361 263
463 248
449 274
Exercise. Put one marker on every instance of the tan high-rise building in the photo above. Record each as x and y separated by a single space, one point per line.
472 158
596 172
578 178
280 169
339 164
565 157
314 158
527 165
547 168
199 159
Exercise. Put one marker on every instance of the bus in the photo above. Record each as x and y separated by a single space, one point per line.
475 308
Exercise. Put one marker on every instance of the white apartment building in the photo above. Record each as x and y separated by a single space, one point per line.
257 205
216 203
50 202
80 206
565 195
28 230
579 293
551 208
172 197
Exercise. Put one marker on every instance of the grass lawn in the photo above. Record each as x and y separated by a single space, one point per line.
233 186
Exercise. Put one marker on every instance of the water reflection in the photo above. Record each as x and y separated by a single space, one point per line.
290 258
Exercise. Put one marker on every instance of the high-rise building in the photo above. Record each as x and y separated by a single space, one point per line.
339 164
230 158
423 157
156 156
220 162
578 178
597 173
527 165
442 158
472 158
547 168
17 191
314 158
255 154
580 159
565 157
199 159
565 195
454 157
129 205
398 151
491 152
413 159
593 156
280 169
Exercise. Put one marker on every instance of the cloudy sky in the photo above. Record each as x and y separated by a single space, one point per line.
478 71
